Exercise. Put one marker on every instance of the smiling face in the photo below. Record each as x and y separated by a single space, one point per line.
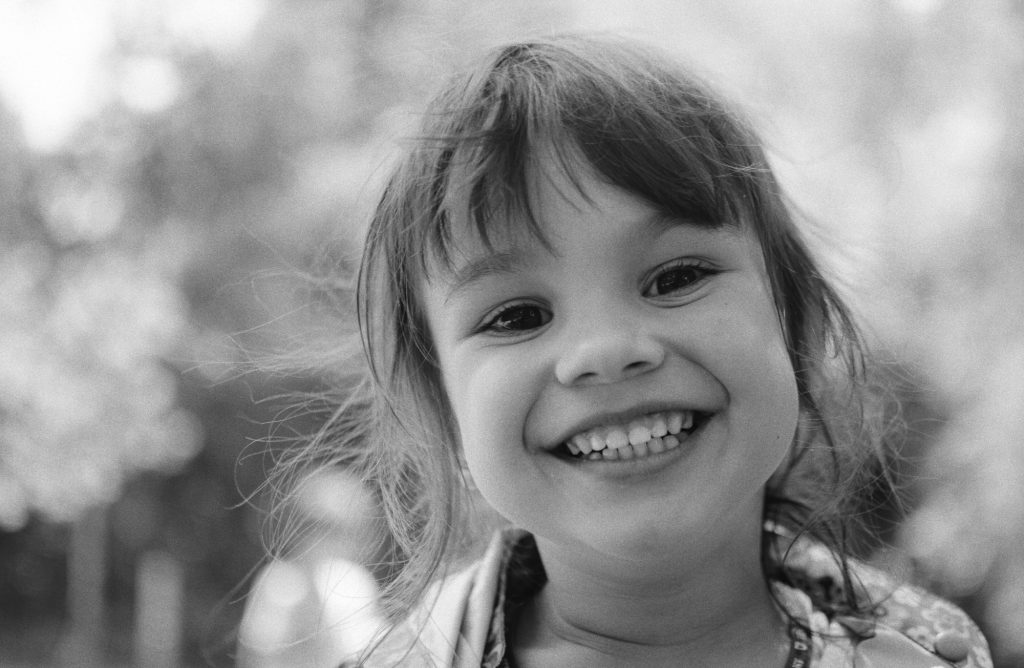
624 390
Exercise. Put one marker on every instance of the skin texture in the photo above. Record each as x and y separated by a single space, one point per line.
628 312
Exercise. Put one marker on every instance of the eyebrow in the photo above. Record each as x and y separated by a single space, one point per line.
497 263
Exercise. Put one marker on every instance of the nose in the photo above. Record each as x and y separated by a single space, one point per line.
608 355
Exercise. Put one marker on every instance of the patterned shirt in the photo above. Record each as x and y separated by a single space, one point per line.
472 613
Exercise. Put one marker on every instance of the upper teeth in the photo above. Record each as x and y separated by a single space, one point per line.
650 432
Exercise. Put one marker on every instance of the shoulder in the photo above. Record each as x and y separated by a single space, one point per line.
905 625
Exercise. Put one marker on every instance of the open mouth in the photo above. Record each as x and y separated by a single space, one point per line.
648 435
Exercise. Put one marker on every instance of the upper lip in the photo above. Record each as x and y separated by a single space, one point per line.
618 418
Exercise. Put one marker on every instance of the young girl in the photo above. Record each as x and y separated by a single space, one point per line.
584 301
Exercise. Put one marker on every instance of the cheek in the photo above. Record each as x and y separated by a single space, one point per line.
786 401
491 409
778 392
761 379
490 397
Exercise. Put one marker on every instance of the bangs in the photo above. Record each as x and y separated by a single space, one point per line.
628 118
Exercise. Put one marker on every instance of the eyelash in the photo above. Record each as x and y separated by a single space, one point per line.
703 269
492 322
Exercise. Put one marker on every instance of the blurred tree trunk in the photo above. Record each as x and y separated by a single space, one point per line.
159 594
83 643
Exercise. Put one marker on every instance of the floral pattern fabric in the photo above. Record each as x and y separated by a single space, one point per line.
813 578
467 621
901 612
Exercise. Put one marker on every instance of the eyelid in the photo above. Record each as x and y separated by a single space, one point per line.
706 267
485 324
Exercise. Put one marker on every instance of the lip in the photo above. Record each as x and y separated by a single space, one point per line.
618 417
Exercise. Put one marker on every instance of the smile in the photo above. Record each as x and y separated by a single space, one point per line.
647 435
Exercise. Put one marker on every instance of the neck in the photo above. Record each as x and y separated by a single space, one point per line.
690 610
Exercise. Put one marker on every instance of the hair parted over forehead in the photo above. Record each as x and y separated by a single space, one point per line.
636 120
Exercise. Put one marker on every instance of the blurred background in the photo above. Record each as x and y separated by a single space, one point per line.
169 168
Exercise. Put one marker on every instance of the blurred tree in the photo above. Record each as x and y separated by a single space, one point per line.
968 530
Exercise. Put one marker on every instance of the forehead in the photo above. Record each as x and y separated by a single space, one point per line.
557 179
526 237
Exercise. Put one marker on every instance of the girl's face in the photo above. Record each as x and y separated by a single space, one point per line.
625 391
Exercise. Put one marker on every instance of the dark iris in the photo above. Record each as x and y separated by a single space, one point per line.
519 318
676 279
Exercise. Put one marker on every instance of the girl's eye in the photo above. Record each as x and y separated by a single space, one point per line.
516 318
676 277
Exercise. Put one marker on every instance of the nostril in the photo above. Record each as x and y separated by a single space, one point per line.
605 358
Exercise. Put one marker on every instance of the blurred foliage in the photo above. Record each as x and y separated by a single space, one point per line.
142 257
